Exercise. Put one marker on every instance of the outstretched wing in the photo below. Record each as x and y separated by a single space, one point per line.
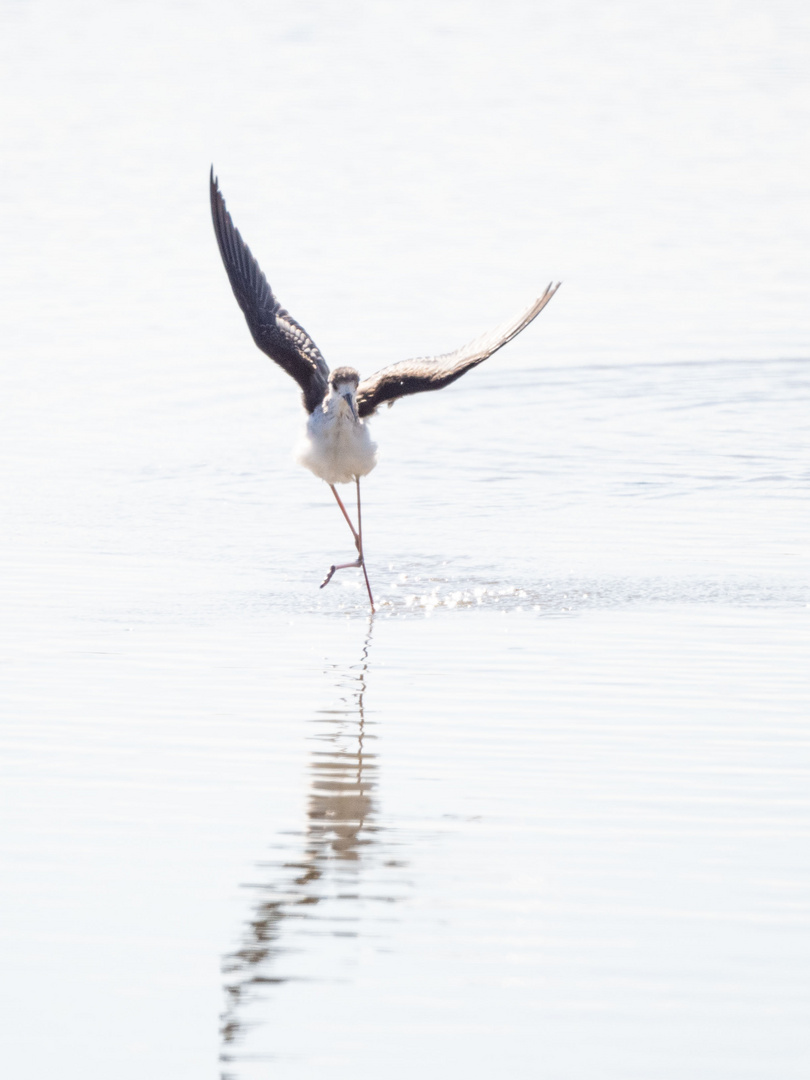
434 372
274 330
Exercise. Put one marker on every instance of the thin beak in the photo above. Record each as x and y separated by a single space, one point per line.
348 399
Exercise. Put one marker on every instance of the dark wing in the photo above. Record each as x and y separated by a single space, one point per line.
434 372
274 330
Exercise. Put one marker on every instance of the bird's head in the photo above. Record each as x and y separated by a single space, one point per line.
343 383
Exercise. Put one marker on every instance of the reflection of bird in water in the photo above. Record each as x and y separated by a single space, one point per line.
340 829
338 446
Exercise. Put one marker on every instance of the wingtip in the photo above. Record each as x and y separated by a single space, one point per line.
551 289
541 301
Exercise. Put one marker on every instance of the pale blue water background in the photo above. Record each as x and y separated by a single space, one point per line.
547 816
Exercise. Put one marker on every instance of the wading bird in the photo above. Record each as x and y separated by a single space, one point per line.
338 446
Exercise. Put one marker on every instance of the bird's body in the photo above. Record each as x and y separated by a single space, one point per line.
337 445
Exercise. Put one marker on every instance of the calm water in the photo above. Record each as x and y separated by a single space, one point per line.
547 813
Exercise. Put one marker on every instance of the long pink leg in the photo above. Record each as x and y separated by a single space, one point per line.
360 544
348 519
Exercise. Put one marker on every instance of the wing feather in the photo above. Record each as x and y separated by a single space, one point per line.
432 373
274 330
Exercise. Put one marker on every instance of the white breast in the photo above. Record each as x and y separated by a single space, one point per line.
337 447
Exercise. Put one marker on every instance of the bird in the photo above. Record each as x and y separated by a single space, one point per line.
337 445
